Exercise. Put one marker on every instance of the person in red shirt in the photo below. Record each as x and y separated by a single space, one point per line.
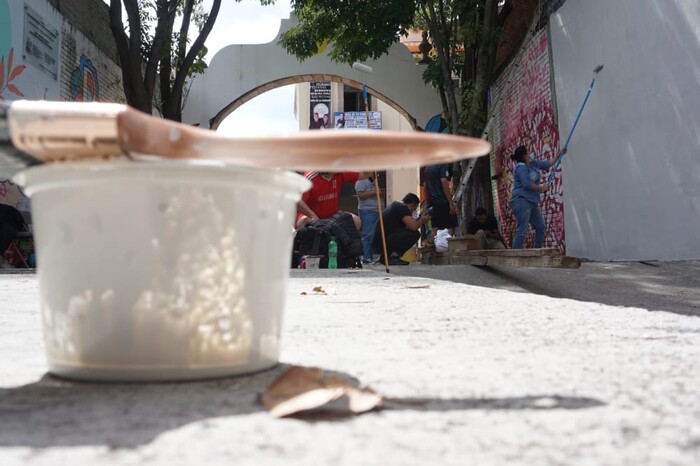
321 201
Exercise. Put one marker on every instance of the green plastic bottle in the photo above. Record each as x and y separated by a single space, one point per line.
332 254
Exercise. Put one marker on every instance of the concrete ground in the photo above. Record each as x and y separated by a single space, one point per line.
656 286
496 366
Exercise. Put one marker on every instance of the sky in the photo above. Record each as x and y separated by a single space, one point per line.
247 22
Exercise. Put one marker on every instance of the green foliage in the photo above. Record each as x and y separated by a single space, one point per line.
161 45
199 64
149 16
358 30
432 74
365 29
473 115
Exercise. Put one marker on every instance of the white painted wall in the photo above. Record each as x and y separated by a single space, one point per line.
632 174
238 69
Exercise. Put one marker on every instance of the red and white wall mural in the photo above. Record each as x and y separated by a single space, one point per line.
523 114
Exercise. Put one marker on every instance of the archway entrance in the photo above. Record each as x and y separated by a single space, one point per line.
216 120
238 73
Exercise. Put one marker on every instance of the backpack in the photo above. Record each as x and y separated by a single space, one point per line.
314 237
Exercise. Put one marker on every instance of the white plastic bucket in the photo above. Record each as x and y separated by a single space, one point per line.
312 262
161 271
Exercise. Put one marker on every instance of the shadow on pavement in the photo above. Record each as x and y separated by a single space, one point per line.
55 412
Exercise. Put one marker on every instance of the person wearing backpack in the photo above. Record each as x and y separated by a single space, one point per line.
314 237
321 201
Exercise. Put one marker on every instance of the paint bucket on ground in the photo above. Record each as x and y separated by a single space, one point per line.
161 271
312 262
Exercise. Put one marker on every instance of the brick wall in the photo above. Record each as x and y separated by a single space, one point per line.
522 112
89 65
87 73
91 18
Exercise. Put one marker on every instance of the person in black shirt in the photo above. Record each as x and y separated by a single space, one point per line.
439 197
400 229
485 227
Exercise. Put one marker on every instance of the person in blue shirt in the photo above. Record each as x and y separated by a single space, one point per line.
368 210
525 197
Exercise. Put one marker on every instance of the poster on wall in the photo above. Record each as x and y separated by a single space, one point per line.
357 120
40 43
320 105
522 114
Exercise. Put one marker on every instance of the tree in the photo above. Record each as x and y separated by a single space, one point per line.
464 35
156 57
359 30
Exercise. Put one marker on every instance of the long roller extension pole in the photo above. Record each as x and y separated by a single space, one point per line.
376 190
357 66
554 168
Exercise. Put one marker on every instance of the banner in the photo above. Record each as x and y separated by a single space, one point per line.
320 105
357 120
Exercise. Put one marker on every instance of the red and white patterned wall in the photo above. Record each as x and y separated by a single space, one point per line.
523 114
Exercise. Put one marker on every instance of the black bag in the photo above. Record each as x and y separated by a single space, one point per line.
314 237
11 223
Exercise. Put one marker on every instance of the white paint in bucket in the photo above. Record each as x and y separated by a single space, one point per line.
161 271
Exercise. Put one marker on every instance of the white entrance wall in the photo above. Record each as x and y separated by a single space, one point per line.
238 73
632 173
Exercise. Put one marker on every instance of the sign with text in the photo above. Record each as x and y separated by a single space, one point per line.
40 43
357 120
319 105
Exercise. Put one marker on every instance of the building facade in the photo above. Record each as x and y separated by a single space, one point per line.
55 50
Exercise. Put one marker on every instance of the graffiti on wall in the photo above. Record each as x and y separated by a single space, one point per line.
8 74
10 193
524 116
84 85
